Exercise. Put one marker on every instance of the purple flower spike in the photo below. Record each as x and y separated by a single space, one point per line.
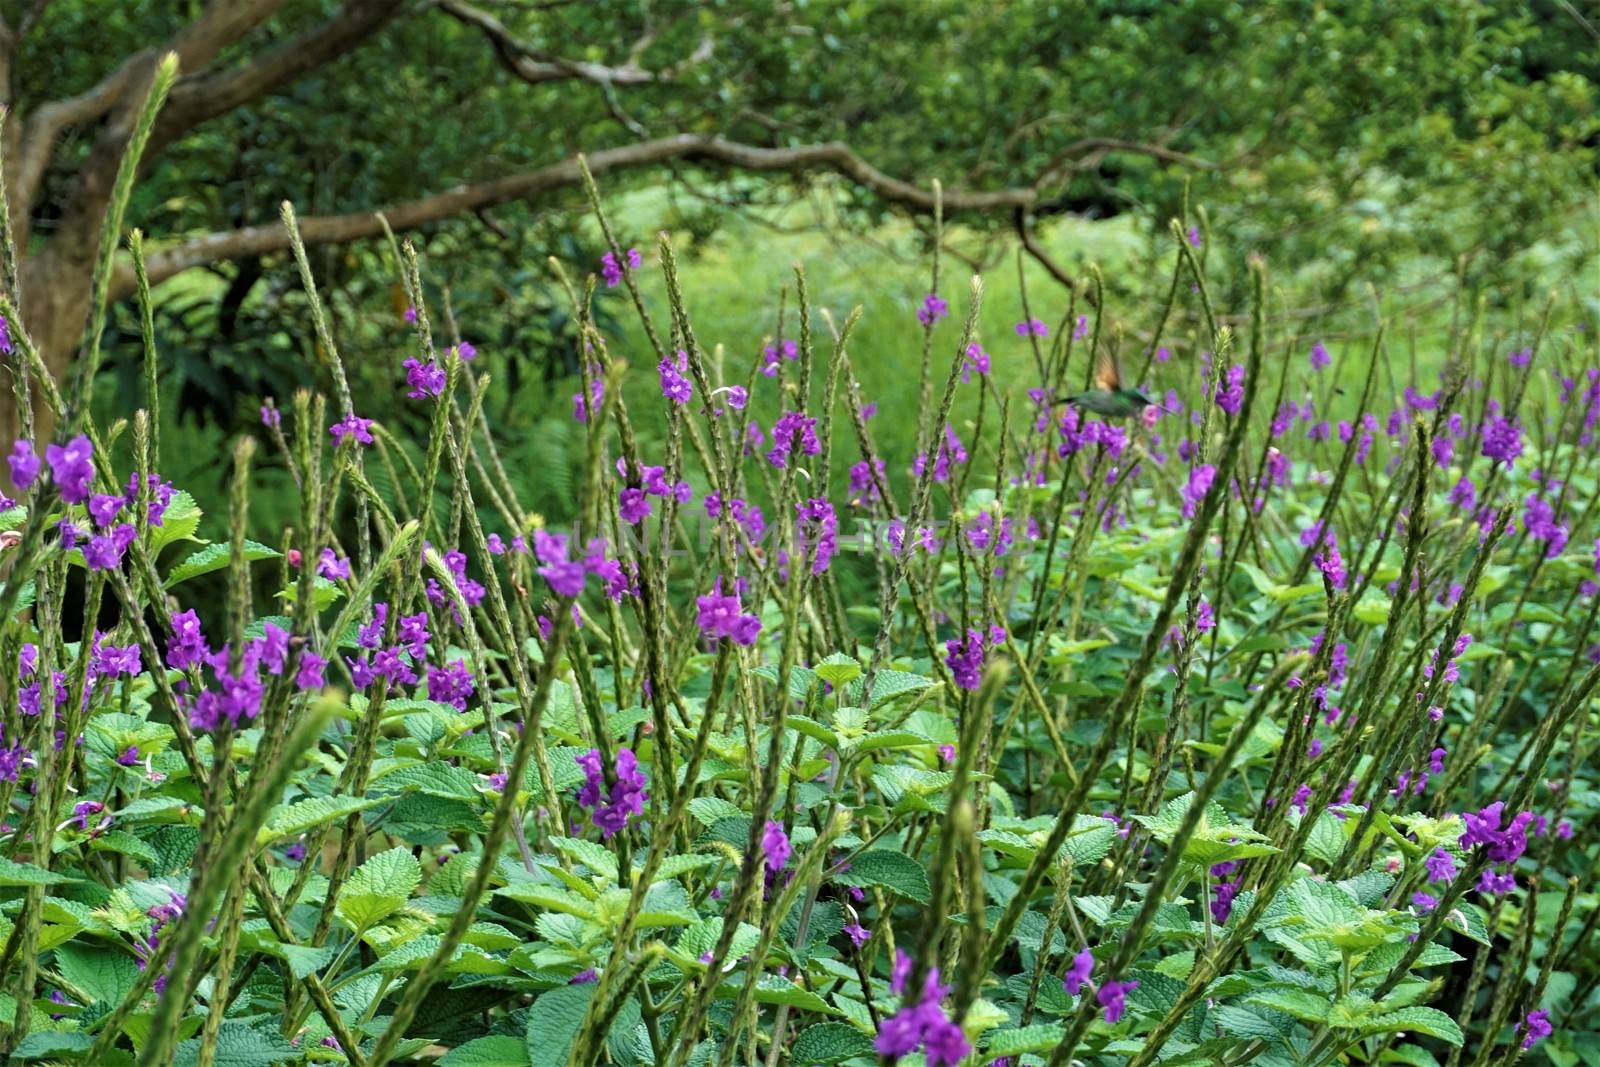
1113 998
72 467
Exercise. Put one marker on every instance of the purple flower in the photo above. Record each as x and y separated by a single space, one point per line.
85 808
947 753
414 634
1330 563
1503 845
565 576
581 409
1078 973
1113 998
1502 439
187 645
633 506
425 379
387 663
234 697
932 310
674 386
104 551
1194 240
1441 866
922 1023
451 685
1033 328
161 494
1200 479
309 676
965 655
352 426
1080 329
1496 884
611 270
1520 357
110 660
1424 902
370 635
1537 1025
863 484
775 845
1319 356
950 450
1230 392
24 464
72 467
332 567
1539 519
976 361
103 508
627 795
859 935
1222 897
794 431
723 616
818 532
272 647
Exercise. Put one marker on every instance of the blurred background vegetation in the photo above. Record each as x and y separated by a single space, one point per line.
1383 155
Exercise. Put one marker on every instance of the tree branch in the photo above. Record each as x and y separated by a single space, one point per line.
535 68
197 44
1098 147
1031 245
211 93
337 229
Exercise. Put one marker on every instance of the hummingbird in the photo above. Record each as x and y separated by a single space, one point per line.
1109 398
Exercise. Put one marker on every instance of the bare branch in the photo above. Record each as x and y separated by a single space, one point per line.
335 229
212 93
1098 147
197 44
1031 244
535 67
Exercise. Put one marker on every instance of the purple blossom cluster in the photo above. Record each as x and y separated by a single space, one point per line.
622 801
965 655
721 615
611 269
921 1022
237 686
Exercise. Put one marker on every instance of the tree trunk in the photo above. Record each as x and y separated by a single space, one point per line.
56 290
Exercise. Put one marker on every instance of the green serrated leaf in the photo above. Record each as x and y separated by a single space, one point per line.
1416 1020
214 557
838 669
300 817
379 888
894 871
829 1043
497 1050
1040 1037
554 1022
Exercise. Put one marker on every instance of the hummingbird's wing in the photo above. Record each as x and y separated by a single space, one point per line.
1106 374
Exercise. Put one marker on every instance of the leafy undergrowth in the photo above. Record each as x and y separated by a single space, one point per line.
1208 731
